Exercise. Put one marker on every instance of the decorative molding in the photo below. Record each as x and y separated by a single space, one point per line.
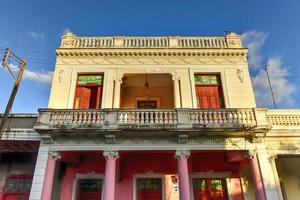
273 157
258 137
110 139
182 139
179 154
54 155
111 154
240 75
153 139
61 74
150 60
46 139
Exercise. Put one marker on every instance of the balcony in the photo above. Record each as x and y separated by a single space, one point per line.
220 121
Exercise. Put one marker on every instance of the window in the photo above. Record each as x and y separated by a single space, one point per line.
149 189
89 189
208 91
146 104
209 189
88 92
17 187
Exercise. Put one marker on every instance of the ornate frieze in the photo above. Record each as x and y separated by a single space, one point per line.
149 60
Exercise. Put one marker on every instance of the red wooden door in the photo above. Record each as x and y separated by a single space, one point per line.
149 189
82 98
208 96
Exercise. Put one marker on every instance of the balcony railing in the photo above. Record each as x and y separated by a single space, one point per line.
172 119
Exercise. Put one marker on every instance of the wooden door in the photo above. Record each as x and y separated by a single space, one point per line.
149 189
82 98
209 96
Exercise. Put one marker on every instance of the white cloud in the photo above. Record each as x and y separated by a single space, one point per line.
282 88
66 30
254 40
36 36
44 77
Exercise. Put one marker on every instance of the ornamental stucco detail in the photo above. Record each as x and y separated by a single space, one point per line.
152 61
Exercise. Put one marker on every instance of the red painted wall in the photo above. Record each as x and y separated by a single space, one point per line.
131 163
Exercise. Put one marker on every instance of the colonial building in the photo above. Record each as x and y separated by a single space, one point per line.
161 118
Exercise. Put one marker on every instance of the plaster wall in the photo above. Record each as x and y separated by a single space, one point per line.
164 96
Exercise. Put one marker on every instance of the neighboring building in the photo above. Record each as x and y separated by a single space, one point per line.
18 151
161 118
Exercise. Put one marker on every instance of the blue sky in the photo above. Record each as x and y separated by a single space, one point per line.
270 28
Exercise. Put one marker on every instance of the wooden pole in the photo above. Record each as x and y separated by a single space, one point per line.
12 97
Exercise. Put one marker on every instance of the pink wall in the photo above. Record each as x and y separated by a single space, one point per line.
131 163
85 163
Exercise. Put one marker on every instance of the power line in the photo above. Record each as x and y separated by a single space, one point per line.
269 81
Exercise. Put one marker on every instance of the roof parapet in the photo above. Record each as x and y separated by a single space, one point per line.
231 40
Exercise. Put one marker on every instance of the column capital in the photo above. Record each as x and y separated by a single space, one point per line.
252 153
111 154
273 157
179 154
55 155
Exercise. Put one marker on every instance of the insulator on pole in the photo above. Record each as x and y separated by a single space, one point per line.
5 57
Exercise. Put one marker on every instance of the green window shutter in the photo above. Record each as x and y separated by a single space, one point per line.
201 79
90 79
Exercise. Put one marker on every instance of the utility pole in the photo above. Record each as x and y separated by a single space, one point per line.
270 85
22 64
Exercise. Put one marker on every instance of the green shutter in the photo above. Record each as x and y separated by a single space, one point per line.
148 183
199 183
206 79
90 79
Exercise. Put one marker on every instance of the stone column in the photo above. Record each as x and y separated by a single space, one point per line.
256 177
184 185
177 98
117 93
49 176
110 174
276 178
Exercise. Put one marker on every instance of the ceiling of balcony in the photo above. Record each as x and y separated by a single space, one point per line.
154 80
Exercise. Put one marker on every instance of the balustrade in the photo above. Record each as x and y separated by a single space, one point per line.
147 117
114 118
76 117
284 118
223 117
146 42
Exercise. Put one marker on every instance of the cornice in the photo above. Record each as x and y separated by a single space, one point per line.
149 52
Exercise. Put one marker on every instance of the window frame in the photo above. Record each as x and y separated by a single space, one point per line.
209 176
220 86
80 176
99 100
136 176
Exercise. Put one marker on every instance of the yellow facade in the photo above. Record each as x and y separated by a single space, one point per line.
178 59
